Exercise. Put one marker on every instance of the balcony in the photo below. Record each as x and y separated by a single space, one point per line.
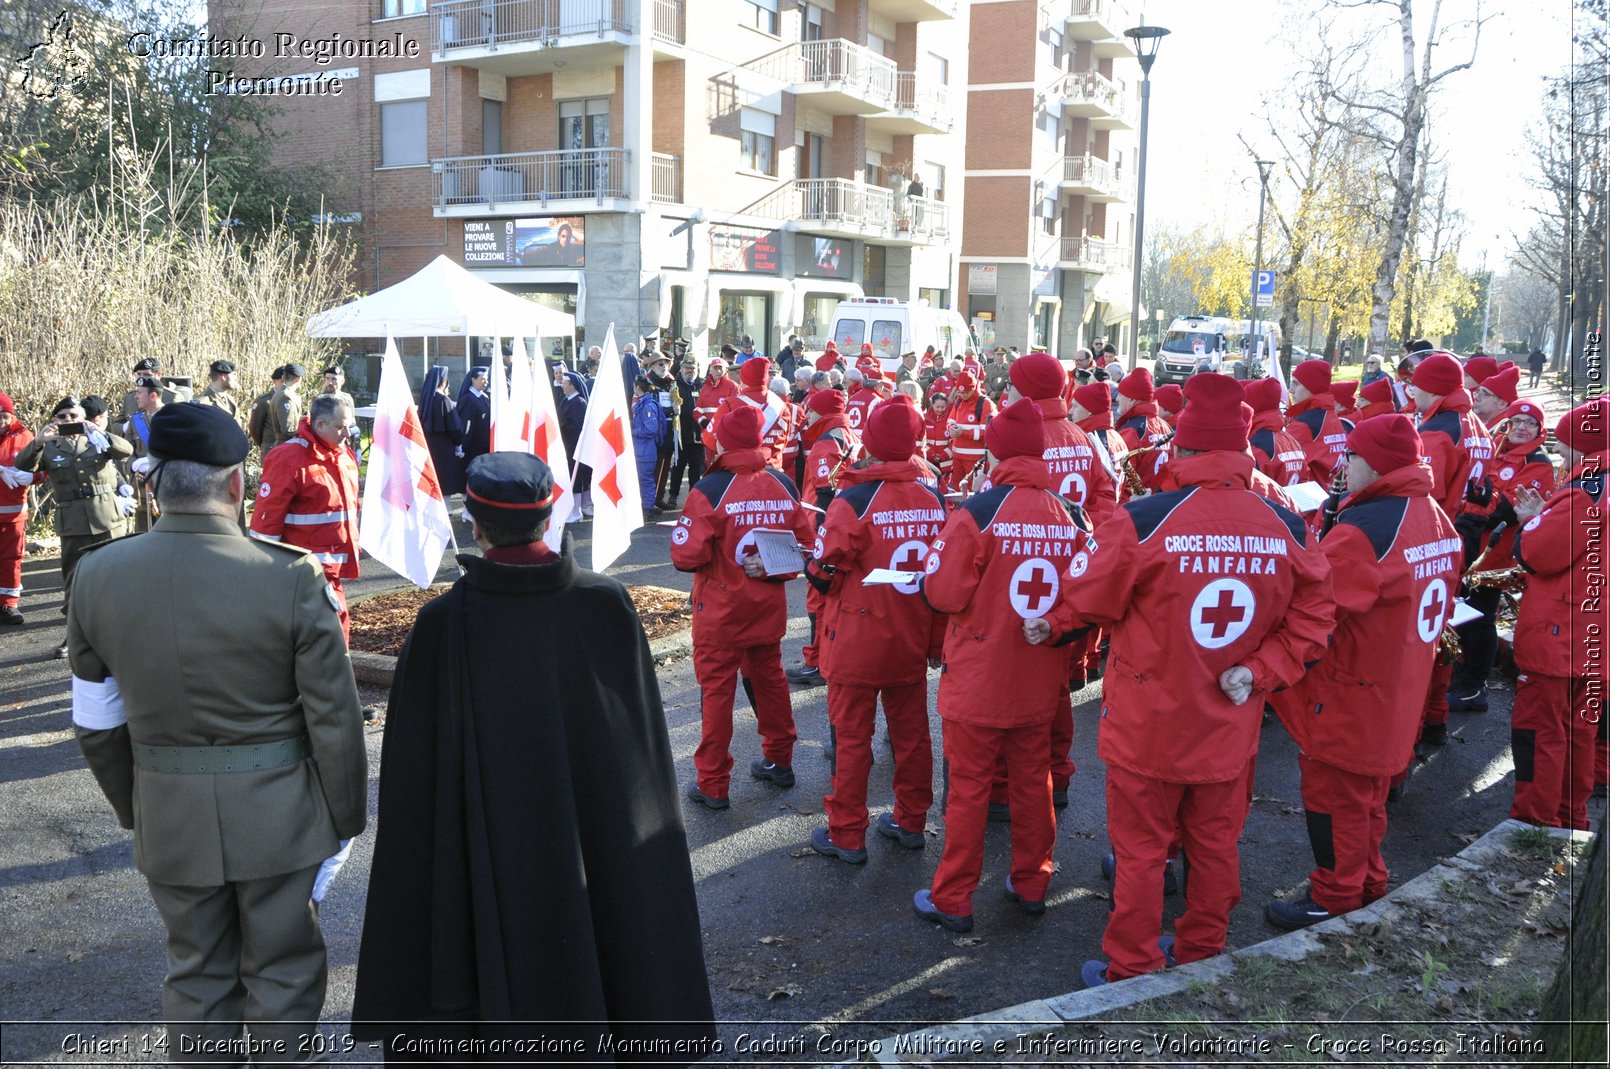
916 10
916 109
670 22
567 180
1106 103
837 76
840 207
1093 254
1095 179
514 37
665 175
1103 22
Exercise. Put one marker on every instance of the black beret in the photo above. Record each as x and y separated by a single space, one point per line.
510 489
96 406
222 367
148 382
296 369
279 373
331 370
64 404
200 433
150 363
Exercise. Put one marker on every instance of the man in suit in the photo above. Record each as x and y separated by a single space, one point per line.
237 780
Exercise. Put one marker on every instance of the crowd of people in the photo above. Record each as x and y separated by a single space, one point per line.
1022 529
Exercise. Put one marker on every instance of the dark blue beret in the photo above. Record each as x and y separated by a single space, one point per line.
200 433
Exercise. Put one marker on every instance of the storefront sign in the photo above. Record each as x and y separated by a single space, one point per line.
548 241
735 248
980 279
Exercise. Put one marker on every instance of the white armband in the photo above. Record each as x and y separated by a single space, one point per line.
98 706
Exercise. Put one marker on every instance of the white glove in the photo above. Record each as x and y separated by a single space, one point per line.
127 505
458 451
98 440
125 490
140 465
23 478
9 477
1236 682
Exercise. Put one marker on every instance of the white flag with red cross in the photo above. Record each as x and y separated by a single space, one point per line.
549 446
605 446
511 408
405 523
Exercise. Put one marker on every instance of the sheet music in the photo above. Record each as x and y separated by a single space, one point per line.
880 576
779 551
1307 496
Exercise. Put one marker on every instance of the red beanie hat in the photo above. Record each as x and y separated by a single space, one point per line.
1526 408
1386 443
1170 399
1586 428
866 348
831 347
755 372
1019 431
1038 376
1344 392
892 430
965 383
1263 394
826 402
1439 373
1093 397
6 405
1314 374
1212 418
1137 385
1504 385
1379 392
740 427
1480 368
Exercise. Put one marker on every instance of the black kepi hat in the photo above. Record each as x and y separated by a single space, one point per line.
509 489
200 433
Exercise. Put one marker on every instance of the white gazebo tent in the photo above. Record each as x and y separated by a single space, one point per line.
443 300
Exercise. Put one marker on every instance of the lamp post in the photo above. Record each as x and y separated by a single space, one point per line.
1264 167
1157 335
1146 40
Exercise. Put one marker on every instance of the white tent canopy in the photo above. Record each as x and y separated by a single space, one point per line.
442 299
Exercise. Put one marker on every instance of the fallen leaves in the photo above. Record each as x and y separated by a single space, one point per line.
785 991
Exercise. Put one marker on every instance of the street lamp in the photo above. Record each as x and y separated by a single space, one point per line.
1157 335
1264 167
1146 40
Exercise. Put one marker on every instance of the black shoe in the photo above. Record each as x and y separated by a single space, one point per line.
371 713
911 840
822 843
925 908
780 775
1078 681
1475 702
61 652
806 675
696 795
1295 915
1598 791
1000 813
9 615
1059 799
651 512
1434 735
1395 793
1032 906
1174 876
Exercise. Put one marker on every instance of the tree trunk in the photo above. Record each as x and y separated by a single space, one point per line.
1332 333
1571 1025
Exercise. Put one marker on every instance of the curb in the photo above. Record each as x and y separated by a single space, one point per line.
377 669
966 1039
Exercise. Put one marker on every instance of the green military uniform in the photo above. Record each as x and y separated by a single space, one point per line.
996 379
225 731
135 429
218 399
84 481
281 419
171 395
258 417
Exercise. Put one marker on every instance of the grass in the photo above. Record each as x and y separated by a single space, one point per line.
1533 843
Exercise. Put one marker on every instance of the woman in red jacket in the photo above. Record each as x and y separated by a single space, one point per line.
936 438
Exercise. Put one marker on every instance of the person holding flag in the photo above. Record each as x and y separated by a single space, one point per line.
605 446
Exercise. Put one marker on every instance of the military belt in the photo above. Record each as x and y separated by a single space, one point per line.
84 493
190 760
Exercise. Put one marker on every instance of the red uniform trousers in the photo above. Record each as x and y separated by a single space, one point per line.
341 596
853 711
1144 817
1554 744
815 602
1346 823
971 751
717 670
1437 696
1061 747
13 544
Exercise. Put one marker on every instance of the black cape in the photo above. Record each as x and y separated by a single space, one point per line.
531 863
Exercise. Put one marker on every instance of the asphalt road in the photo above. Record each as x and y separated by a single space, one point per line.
797 945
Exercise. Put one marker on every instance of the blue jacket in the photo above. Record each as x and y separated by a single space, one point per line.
648 423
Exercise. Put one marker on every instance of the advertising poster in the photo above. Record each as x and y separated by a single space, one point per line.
547 241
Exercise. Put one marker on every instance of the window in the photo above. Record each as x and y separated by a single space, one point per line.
584 125
935 174
886 338
810 23
1043 320
744 313
874 168
402 134
394 8
764 15
757 143
491 127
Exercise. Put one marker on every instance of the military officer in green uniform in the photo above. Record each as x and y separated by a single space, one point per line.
151 367
284 408
221 388
80 459
225 732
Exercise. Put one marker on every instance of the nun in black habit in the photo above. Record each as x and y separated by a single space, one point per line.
442 432
530 863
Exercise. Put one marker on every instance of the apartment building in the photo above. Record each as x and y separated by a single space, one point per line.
1053 104
710 167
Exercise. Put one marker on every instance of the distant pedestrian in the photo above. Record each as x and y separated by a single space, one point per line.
1537 362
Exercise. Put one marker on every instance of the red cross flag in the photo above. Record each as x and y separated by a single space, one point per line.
605 446
511 409
405 524
547 444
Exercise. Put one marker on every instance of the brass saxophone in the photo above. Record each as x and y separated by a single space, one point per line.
1509 580
1132 477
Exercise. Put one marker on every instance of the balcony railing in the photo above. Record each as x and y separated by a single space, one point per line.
842 204
1094 254
1107 12
666 175
490 23
928 101
595 174
1097 176
1092 89
668 21
833 64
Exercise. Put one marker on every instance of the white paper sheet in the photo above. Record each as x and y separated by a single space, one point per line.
779 551
1463 613
891 577
1307 496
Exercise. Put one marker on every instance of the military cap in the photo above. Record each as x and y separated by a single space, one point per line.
148 382
95 406
150 363
510 489
222 367
279 373
295 369
64 404
200 433
331 370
